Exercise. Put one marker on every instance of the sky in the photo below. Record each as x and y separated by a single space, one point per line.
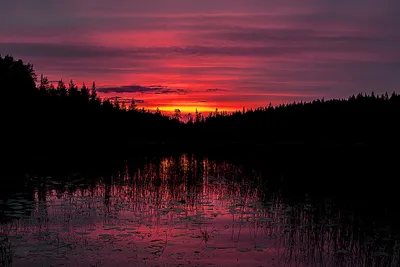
208 54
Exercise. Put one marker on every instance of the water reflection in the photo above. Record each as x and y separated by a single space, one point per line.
178 211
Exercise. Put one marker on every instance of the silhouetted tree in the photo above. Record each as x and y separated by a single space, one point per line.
93 94
158 112
107 105
61 89
116 104
123 106
197 117
58 118
44 85
73 90
177 114
190 119
62 119
133 106
52 90
85 94
16 77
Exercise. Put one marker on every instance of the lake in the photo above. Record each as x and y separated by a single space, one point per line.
183 211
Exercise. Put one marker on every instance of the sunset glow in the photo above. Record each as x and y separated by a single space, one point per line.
209 54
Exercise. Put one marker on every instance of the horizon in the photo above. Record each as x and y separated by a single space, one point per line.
211 54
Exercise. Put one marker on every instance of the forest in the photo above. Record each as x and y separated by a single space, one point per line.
43 119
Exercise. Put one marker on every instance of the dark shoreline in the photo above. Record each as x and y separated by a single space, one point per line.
249 152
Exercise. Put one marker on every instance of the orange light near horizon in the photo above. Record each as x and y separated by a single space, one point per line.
190 109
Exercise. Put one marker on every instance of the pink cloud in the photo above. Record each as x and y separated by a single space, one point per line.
258 50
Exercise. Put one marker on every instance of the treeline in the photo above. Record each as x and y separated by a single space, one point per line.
359 119
51 118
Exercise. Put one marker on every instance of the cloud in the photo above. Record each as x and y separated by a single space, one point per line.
173 91
287 46
68 50
254 47
246 42
277 42
124 100
130 89
217 90
143 89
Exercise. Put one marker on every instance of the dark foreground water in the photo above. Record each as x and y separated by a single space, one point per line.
181 212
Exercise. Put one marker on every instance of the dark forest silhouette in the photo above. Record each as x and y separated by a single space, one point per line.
346 150
47 119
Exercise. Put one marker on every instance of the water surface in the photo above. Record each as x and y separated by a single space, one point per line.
180 211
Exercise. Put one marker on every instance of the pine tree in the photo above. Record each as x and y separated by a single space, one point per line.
133 106
73 89
177 114
190 118
44 84
123 106
85 95
197 118
61 88
93 94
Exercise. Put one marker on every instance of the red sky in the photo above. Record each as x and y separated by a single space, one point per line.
210 53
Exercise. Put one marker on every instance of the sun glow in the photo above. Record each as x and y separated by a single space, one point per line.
189 108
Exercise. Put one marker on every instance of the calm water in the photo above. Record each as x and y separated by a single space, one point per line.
179 211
